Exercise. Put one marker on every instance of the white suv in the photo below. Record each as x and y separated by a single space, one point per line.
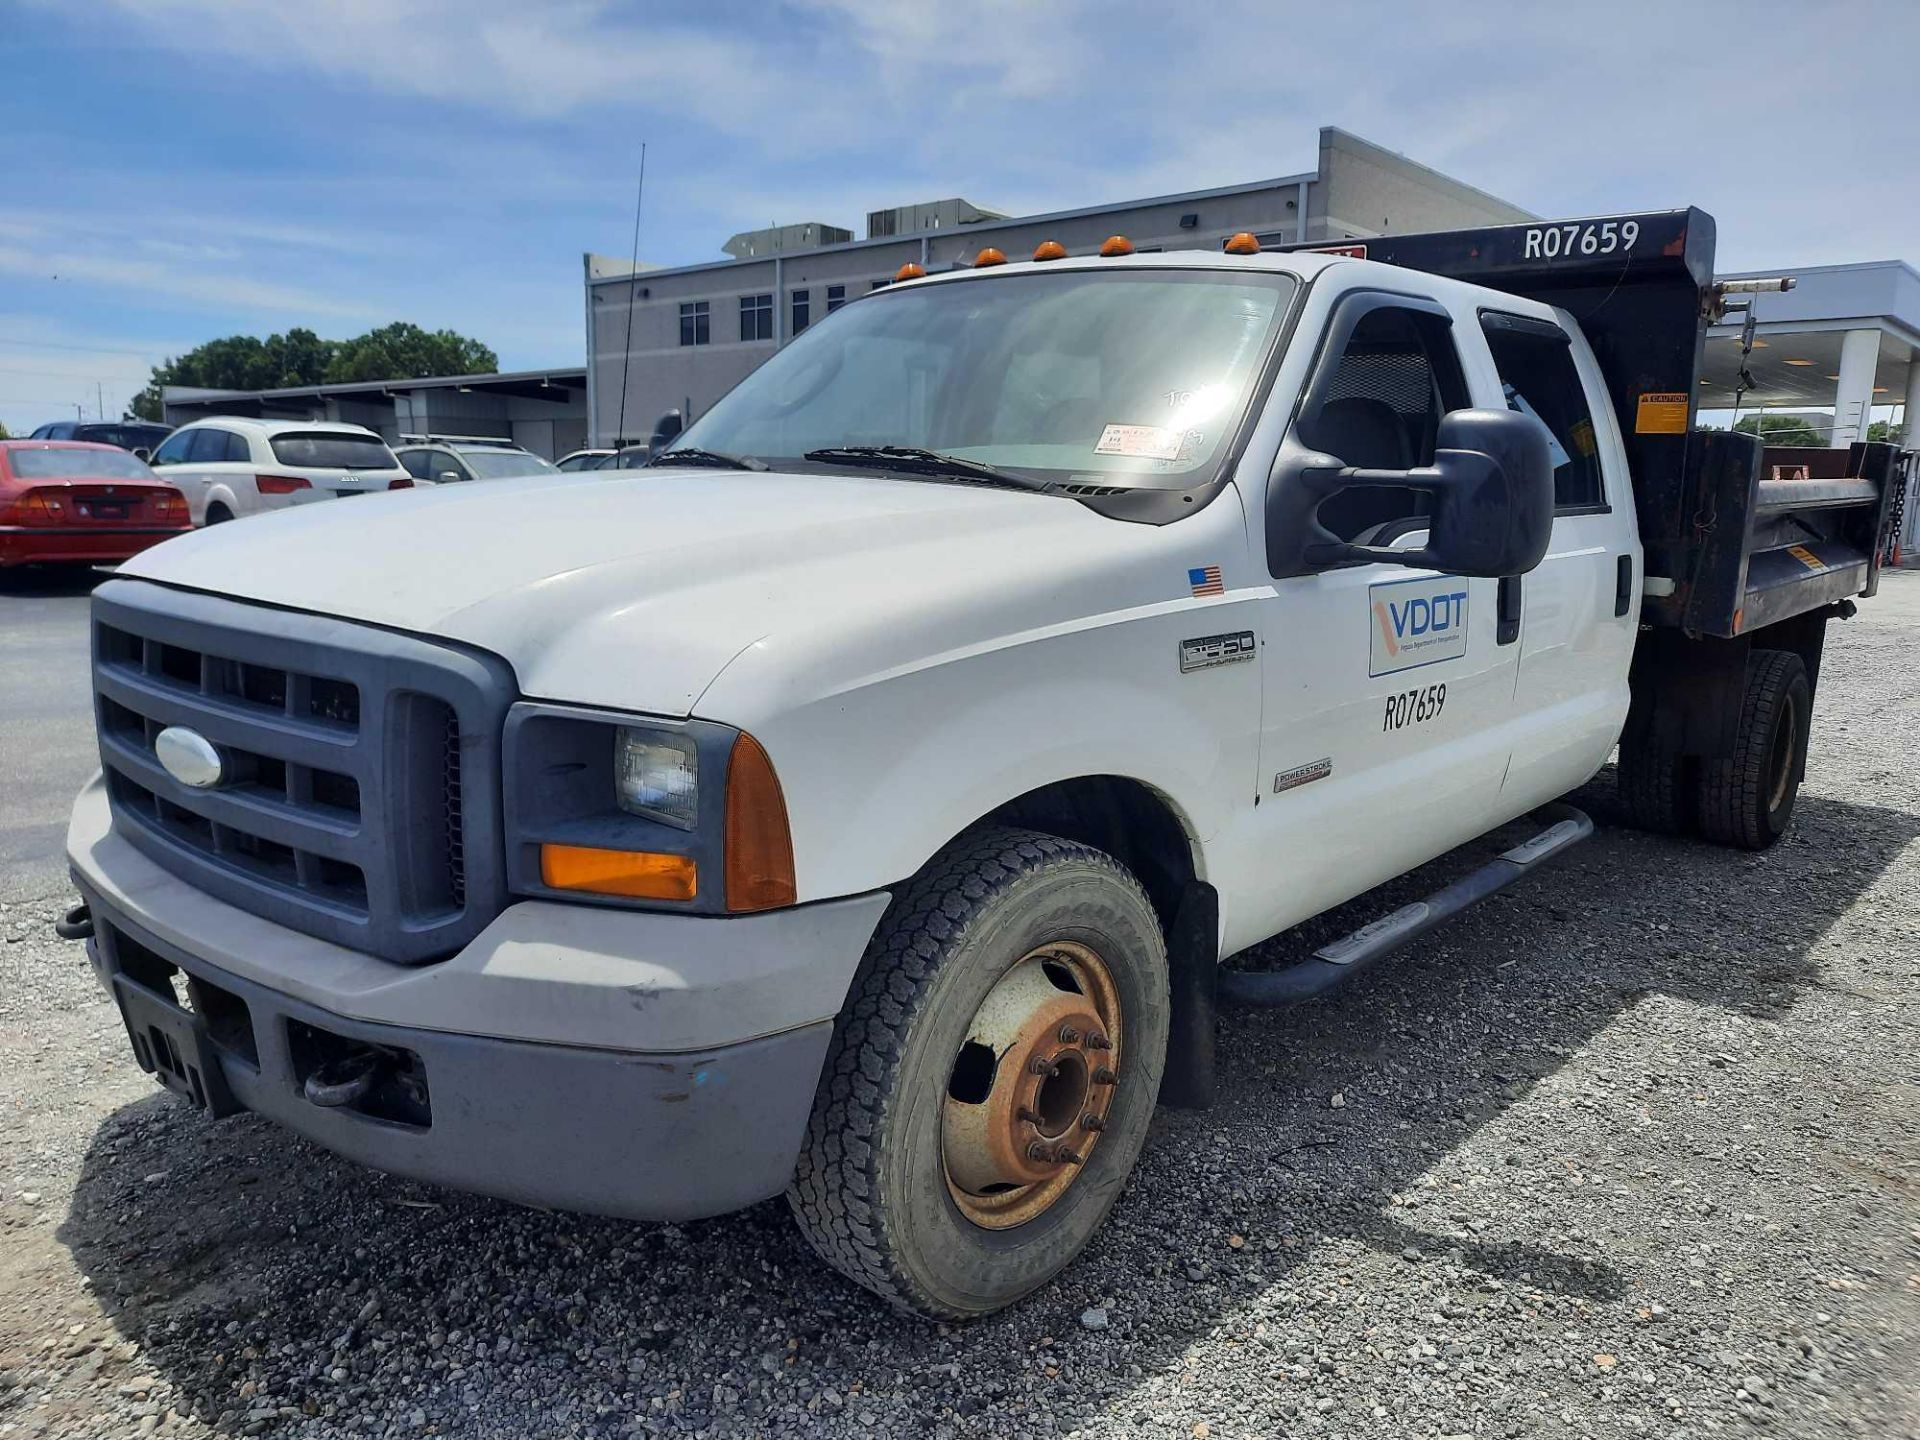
228 467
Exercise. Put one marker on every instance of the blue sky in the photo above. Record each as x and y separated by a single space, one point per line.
173 170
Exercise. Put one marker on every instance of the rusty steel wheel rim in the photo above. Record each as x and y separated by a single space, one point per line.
1032 1085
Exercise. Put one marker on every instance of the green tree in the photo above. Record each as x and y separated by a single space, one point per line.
406 352
1780 430
1886 430
3 433
300 357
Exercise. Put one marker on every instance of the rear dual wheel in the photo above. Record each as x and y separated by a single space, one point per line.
991 1079
1742 799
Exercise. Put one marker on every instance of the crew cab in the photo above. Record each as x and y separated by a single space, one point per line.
229 467
860 803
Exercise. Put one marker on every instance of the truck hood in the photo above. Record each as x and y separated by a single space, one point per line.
635 591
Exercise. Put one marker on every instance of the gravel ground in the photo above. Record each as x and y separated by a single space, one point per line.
1630 1152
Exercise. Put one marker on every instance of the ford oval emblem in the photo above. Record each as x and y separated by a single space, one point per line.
188 756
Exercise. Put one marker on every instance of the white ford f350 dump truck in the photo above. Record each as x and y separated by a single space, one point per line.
859 803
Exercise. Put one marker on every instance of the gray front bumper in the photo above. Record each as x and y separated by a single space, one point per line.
658 1067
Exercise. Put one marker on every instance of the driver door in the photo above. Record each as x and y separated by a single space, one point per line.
1388 691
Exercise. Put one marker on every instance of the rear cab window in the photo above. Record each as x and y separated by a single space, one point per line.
322 451
1538 376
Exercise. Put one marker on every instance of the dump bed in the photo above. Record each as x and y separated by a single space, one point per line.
1736 535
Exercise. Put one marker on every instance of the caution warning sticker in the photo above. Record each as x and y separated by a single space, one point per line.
1806 557
1661 412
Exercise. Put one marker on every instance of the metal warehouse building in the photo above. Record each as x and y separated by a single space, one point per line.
542 410
682 337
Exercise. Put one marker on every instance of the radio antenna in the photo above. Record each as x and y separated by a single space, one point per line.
633 281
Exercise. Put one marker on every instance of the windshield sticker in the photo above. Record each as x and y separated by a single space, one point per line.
1206 581
1417 622
1141 442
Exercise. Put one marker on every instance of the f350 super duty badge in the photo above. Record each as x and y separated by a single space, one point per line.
1211 650
1416 622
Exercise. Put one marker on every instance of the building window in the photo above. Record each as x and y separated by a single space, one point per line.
836 297
802 310
694 327
756 317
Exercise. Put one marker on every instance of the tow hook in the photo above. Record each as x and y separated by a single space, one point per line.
344 1079
76 924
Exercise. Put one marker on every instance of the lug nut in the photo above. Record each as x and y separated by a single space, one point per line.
1069 1035
1041 1151
1064 1156
1027 1114
1097 1041
1091 1121
1040 1065
1104 1076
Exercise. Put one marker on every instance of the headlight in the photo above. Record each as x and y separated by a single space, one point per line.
657 775
631 810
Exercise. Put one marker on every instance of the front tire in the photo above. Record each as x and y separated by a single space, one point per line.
1015 991
1746 798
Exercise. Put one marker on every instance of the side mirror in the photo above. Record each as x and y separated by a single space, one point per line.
142 454
1492 486
447 477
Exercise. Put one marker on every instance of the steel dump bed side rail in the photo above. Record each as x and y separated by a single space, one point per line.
1737 535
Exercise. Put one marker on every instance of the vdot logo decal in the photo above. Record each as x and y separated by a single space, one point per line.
1417 622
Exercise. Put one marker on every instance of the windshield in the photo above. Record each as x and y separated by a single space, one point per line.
504 464
78 464
1132 377
334 452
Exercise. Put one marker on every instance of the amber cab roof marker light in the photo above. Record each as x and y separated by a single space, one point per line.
1245 243
758 842
989 256
908 271
1115 245
1049 250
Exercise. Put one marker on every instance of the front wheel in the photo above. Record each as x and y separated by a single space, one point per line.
991 1078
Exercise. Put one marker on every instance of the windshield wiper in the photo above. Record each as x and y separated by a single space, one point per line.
912 460
718 460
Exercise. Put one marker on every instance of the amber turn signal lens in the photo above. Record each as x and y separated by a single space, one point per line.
759 845
1049 250
1116 245
640 874
908 271
1243 244
989 256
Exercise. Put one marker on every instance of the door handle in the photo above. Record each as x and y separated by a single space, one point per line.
1623 585
1507 607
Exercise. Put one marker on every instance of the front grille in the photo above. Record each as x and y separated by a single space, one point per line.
359 766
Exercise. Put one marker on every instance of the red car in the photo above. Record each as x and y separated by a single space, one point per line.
69 502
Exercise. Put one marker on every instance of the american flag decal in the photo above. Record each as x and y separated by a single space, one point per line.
1207 581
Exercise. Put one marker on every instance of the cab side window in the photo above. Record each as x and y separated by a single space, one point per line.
1539 378
173 449
415 462
1398 374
